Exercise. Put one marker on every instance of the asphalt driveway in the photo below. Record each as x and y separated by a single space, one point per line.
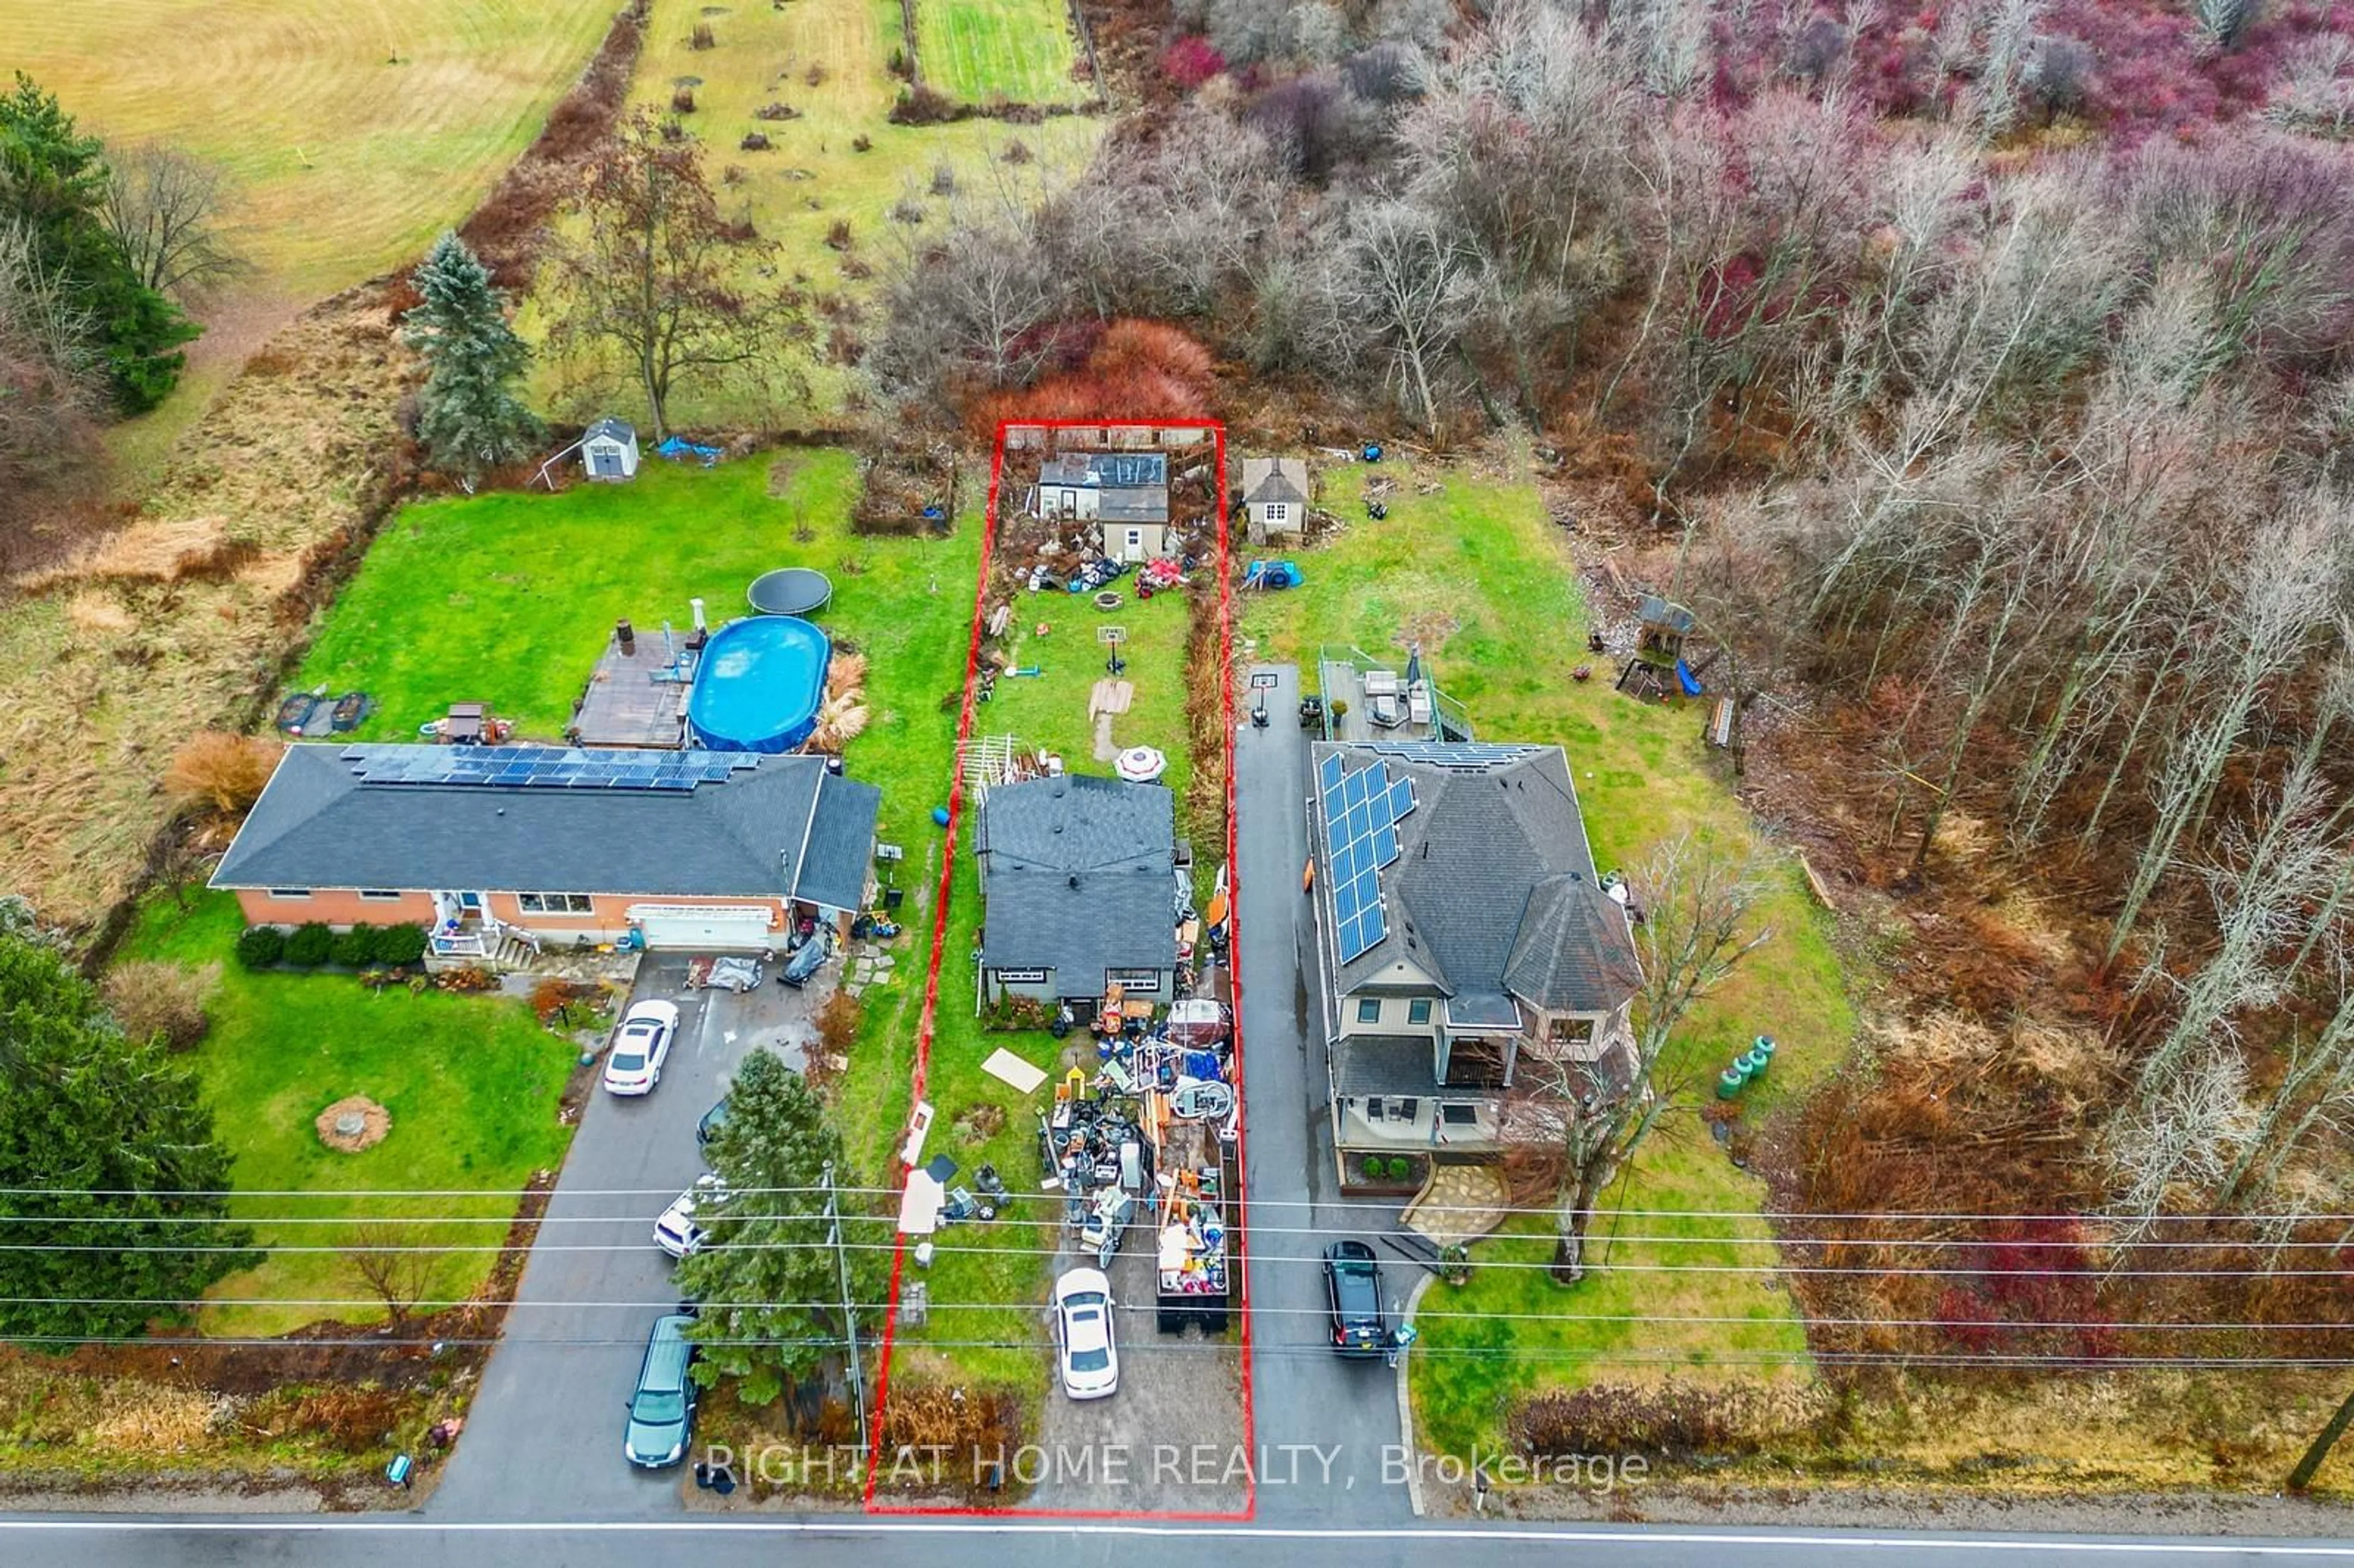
1324 1425
543 1439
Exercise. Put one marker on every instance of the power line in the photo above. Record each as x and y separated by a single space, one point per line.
1258 1310
892 1192
1892 1271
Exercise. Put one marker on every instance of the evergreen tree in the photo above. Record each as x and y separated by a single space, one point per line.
107 1159
468 417
770 1242
54 181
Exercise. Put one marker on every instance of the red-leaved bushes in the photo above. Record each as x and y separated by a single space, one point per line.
1191 61
1129 369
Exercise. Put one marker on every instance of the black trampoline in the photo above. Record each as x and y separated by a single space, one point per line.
793 590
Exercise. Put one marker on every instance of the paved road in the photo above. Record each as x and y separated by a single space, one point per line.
543 1437
857 1543
1325 1426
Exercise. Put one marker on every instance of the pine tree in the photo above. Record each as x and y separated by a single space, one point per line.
107 1159
468 415
769 1247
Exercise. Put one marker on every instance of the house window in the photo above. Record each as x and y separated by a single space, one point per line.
556 904
1276 511
1418 1010
289 893
379 895
1136 538
1134 979
1369 1010
1572 1030
1459 1115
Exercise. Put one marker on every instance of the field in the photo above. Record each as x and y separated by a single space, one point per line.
1477 574
354 133
471 1084
1018 50
827 60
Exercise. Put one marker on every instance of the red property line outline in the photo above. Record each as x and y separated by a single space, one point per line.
924 1027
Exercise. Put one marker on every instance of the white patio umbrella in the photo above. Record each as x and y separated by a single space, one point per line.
1141 765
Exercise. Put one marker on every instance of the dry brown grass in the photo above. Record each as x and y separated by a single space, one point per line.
152 1418
104 675
221 772
148 998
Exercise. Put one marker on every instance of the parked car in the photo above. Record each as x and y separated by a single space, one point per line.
713 1121
634 1064
807 959
1091 1362
676 1232
1352 1285
661 1410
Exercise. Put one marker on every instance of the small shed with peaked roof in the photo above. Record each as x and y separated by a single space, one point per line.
609 450
1275 497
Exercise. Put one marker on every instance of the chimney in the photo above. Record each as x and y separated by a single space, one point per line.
626 636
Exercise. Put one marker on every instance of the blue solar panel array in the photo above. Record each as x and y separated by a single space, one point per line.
1361 816
545 767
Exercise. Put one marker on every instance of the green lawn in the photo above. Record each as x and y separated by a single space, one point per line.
471 1084
1050 710
1479 576
1019 51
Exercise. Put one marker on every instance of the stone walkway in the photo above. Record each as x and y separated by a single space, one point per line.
869 965
1459 1204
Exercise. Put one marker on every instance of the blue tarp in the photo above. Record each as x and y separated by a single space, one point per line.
1687 680
1273 574
1202 1064
678 449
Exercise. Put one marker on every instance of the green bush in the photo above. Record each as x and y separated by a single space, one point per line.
1372 1168
312 944
400 945
356 948
261 947
1398 1167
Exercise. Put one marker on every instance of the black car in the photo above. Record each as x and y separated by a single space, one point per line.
713 1121
1352 1283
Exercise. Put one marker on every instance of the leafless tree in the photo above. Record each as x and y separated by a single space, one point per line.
51 388
2286 591
166 210
1699 899
382 1258
2182 1140
1410 281
658 276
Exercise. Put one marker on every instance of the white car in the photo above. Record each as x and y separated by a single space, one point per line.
1082 1335
634 1064
676 1232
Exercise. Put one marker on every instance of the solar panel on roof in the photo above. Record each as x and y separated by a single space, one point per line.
1329 769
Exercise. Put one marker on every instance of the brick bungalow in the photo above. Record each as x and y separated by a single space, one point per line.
497 851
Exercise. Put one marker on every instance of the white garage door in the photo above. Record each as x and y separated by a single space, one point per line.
717 928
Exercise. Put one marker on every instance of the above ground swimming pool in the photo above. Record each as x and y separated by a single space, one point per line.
758 685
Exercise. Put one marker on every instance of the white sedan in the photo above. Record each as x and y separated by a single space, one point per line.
676 1232
1083 1334
634 1064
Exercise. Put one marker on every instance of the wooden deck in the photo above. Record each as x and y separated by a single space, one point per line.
625 705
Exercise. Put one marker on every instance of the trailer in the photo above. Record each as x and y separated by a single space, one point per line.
1193 1182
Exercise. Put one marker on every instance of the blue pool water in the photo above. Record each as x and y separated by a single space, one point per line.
758 685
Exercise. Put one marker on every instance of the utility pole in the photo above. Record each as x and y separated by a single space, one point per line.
849 1312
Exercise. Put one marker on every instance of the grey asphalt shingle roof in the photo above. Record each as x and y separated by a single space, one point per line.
1133 506
1494 889
780 829
1116 841
1274 479
1385 1064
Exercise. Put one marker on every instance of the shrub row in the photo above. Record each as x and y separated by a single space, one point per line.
309 945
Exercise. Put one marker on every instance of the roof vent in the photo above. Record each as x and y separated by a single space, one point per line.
1075 882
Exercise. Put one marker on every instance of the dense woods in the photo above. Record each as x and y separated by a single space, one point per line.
1980 374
